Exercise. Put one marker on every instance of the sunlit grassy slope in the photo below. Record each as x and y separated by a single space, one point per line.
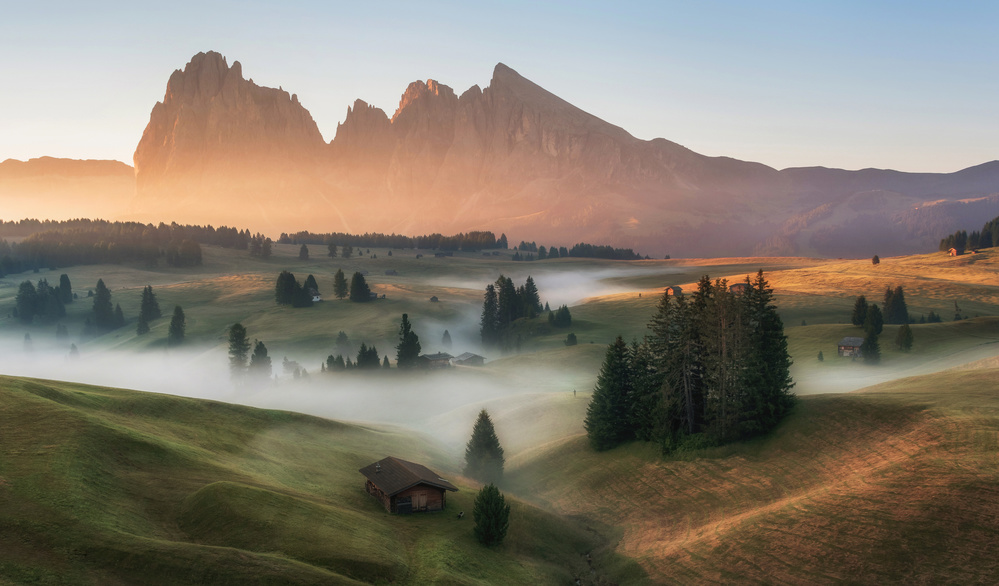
897 484
119 487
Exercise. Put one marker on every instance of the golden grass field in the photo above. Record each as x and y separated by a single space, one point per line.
893 482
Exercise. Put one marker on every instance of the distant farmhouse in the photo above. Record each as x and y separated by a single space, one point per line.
439 360
850 346
406 487
469 359
316 298
675 290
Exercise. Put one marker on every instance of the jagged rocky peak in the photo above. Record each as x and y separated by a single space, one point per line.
419 92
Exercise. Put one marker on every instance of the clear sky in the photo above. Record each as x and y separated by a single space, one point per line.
905 85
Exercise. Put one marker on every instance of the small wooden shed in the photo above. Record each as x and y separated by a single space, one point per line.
850 346
406 487
674 290
469 359
438 360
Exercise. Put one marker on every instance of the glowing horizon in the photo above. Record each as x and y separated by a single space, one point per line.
847 85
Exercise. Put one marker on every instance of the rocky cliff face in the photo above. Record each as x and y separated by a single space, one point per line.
511 158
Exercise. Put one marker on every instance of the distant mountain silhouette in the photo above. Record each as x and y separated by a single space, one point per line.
515 158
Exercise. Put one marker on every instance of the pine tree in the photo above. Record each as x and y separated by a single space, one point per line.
871 349
532 301
875 260
874 323
285 288
311 284
904 338
178 327
265 249
385 363
489 322
119 316
332 250
149 307
483 454
303 253
359 291
446 340
340 288
239 348
491 515
859 311
409 347
607 418
260 362
104 317
65 289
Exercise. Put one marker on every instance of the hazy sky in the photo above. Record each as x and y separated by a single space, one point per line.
905 85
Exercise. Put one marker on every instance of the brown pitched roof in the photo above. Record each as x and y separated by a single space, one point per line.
393 475
852 341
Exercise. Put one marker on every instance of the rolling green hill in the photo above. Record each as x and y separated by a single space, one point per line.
110 486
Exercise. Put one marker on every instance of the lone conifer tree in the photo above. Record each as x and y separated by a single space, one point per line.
491 515
303 253
149 307
359 290
239 348
65 288
446 340
859 311
409 347
903 340
260 362
340 289
483 454
178 326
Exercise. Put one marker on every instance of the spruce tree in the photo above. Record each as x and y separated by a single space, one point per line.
119 316
104 317
239 348
303 253
385 363
904 338
607 416
149 307
311 284
859 311
491 515
409 347
178 327
484 459
871 349
26 302
332 250
285 289
65 289
260 362
446 340
340 288
489 322
359 291
874 323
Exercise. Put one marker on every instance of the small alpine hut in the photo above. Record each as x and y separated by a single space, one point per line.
469 359
406 487
674 290
438 360
737 288
850 346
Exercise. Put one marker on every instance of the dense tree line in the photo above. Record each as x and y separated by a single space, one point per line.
44 302
581 250
988 237
470 241
502 305
78 242
715 368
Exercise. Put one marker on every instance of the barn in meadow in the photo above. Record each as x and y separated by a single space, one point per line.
406 487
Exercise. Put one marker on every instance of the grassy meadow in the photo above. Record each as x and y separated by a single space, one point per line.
893 482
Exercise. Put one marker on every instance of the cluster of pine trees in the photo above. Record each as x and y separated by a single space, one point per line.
715 368
245 367
560 318
871 318
470 241
288 291
44 302
78 242
988 237
503 304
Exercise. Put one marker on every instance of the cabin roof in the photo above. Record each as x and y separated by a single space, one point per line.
393 476
467 355
438 356
852 341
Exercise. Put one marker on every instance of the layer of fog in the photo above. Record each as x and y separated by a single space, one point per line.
443 404
558 285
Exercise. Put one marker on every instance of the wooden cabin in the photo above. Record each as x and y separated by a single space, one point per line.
738 288
406 487
850 346
438 360
674 290
469 359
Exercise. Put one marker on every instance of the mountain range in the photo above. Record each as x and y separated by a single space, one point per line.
513 158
